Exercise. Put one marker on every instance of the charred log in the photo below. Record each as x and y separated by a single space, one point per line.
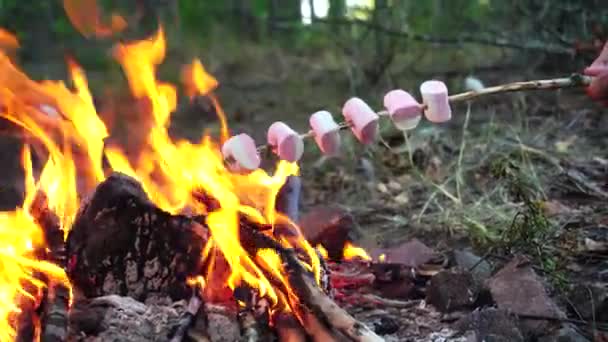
54 308
121 243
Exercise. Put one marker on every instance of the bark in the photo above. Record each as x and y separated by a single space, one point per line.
55 305
122 244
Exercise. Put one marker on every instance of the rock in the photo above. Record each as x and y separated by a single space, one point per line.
586 297
567 333
115 318
490 324
518 289
468 261
412 253
449 291
329 226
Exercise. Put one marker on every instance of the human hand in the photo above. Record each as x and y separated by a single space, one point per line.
598 90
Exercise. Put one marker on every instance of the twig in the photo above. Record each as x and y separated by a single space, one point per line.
574 81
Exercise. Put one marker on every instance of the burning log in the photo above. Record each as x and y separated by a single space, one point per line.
123 244
253 314
310 295
55 304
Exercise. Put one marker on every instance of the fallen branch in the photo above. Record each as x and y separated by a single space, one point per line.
574 81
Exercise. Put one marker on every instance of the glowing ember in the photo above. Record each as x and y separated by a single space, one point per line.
382 258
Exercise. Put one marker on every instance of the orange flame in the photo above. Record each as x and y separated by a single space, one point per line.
8 40
322 251
85 16
352 252
20 237
66 124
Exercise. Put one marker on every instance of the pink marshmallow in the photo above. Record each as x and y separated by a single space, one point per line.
241 148
435 97
600 64
327 132
403 109
363 120
285 142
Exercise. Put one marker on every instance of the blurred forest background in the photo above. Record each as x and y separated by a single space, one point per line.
285 59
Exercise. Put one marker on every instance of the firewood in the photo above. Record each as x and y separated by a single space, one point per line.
289 329
55 305
253 314
121 243
309 293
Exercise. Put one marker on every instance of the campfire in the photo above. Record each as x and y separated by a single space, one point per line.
175 220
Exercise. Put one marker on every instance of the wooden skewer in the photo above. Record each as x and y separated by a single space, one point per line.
573 81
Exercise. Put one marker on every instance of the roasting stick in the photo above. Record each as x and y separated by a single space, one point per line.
574 81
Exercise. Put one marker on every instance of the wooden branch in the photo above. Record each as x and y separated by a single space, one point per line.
308 292
55 306
574 81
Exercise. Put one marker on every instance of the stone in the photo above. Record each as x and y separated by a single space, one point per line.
452 290
329 226
468 261
412 253
490 324
518 289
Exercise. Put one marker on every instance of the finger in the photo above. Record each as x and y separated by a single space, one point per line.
598 89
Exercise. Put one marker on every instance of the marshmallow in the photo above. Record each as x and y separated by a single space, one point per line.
286 142
403 109
241 148
327 132
363 120
435 97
